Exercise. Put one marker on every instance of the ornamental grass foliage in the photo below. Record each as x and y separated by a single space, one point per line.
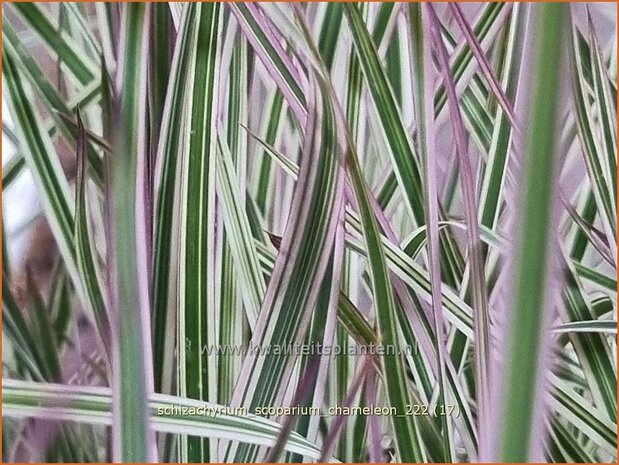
357 232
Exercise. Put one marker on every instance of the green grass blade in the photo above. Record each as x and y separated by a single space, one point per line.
600 173
273 55
23 399
59 109
12 170
514 434
584 416
44 164
495 173
407 444
605 101
392 126
303 256
86 252
133 439
233 324
239 234
197 314
68 51
167 180
592 350
591 326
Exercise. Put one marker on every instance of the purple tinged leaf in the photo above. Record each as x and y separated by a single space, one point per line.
301 263
481 318
469 35
266 45
423 97
306 383
330 441
376 454
330 327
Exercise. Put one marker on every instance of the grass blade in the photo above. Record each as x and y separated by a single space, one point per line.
23 399
299 270
514 437
423 93
133 440
197 317
70 53
85 250
481 318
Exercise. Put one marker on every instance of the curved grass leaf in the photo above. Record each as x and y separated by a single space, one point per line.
44 164
600 173
85 249
253 286
591 326
150 140
481 318
23 399
293 287
408 447
269 50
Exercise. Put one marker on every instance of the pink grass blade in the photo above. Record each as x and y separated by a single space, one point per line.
481 315
423 93
475 47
